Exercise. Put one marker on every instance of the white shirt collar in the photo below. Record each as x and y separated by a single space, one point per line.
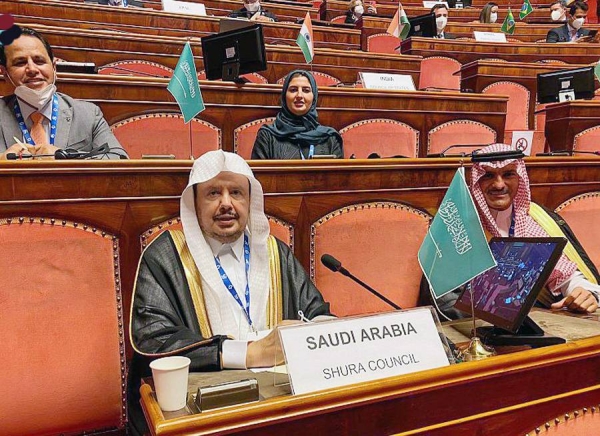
503 220
236 247
27 110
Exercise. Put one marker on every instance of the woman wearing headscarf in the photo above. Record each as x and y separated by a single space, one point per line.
296 132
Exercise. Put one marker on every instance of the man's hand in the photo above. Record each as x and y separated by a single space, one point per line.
45 149
18 148
579 300
261 18
267 351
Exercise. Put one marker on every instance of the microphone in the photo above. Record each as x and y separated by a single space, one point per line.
336 266
461 154
65 154
568 153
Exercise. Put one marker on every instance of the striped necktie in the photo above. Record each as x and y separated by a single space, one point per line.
38 133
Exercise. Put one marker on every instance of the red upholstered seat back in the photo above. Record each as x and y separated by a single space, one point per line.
63 369
587 140
251 77
382 136
582 214
517 109
322 79
378 242
459 132
438 72
580 423
279 228
245 135
166 133
382 43
136 68
339 19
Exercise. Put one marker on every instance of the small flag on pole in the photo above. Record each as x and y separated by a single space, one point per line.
597 71
508 26
305 40
455 249
400 26
184 85
526 9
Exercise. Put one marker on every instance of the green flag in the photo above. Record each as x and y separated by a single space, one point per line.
526 9
597 71
455 249
508 26
184 85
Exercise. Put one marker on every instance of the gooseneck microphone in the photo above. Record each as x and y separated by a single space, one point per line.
336 266
64 154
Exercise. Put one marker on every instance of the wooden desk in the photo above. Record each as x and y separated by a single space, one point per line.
147 21
468 51
103 47
230 106
504 395
565 120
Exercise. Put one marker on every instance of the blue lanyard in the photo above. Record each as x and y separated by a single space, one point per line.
311 152
23 126
229 285
125 3
511 230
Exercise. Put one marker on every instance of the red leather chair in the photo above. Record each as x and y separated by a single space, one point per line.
245 135
382 136
251 77
136 68
322 79
582 214
164 134
378 242
582 422
339 19
438 72
517 108
64 369
459 132
382 43
587 140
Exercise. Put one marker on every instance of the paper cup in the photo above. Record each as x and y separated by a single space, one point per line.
170 376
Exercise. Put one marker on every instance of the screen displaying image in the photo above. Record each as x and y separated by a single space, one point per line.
503 295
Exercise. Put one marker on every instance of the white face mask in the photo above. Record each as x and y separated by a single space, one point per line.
557 15
253 7
577 23
493 17
35 98
359 10
440 23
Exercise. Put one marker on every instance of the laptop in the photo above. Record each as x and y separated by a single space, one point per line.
504 294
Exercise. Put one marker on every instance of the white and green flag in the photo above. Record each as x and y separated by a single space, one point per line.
305 40
455 249
526 9
399 27
184 85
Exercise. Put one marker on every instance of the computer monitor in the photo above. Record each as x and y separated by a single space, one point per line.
230 54
423 25
565 85
504 294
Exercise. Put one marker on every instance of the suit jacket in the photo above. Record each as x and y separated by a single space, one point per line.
80 126
245 13
561 34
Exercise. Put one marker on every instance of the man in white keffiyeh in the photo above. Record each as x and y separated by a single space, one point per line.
213 291
502 194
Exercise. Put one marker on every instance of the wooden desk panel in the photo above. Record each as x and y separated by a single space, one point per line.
565 120
230 106
468 51
150 21
102 47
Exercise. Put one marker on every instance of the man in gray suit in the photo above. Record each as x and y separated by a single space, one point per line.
37 120
572 30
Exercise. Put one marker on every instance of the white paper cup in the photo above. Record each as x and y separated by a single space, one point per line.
170 376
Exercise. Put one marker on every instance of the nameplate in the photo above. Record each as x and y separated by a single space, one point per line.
489 36
184 7
341 352
523 140
402 82
430 4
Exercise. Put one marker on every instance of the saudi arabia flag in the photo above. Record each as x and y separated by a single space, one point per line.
305 40
399 27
